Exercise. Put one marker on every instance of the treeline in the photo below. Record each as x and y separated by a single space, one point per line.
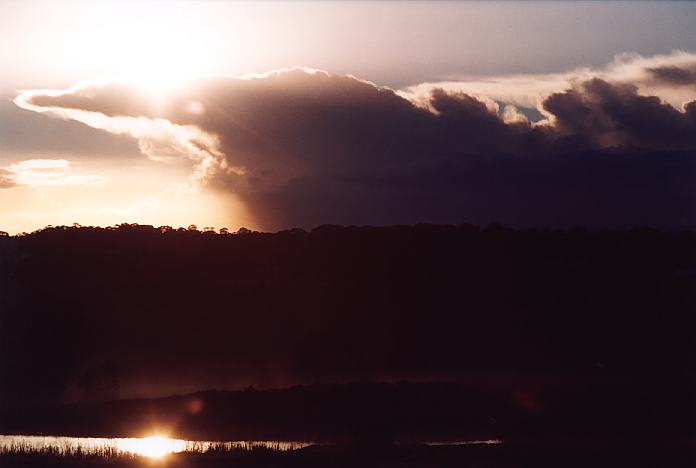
162 229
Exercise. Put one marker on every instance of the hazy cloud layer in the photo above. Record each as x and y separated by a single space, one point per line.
6 179
302 147
37 172
24 133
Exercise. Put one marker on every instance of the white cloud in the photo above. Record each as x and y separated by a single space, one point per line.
41 172
531 89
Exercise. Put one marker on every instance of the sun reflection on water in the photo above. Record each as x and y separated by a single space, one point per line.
153 447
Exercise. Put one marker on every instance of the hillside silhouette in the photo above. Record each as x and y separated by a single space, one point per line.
589 409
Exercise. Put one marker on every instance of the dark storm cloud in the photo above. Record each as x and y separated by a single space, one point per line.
673 75
306 148
615 115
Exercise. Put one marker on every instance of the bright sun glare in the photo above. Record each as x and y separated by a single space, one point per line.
153 446
160 48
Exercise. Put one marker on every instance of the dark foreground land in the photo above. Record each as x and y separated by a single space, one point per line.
572 407
617 454
97 314
574 347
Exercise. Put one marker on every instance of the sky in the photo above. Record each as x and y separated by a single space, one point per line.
273 115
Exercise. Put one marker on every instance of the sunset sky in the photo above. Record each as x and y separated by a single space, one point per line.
273 115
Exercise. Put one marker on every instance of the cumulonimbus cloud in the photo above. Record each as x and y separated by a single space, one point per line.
303 147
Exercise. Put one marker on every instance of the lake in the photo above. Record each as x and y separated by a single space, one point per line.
155 446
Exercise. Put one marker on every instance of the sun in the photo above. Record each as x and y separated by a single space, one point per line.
156 446
156 45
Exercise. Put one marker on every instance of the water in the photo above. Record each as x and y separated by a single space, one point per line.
154 447
467 442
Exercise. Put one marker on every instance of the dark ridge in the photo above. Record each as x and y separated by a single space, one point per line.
592 329
581 409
